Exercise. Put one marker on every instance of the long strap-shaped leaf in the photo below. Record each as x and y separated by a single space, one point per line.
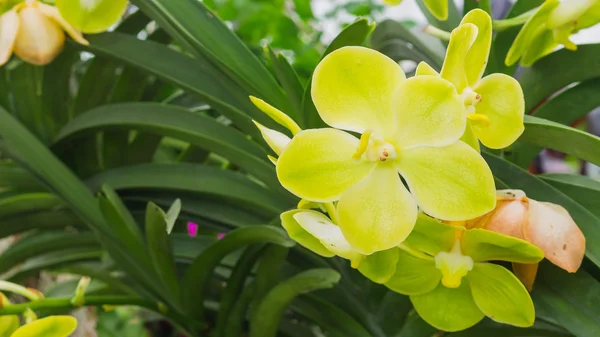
201 32
175 122
195 280
277 300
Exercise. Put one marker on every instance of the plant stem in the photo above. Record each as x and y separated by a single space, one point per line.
65 303
500 25
439 33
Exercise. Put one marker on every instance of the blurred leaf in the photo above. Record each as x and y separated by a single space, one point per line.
584 190
289 81
303 9
30 202
277 300
268 274
195 281
172 214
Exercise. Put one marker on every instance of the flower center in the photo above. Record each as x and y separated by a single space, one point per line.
471 99
374 148
453 265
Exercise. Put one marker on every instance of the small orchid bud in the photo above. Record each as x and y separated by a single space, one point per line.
276 115
79 299
276 140
39 39
510 214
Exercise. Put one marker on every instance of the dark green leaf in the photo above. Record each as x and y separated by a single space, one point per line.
584 190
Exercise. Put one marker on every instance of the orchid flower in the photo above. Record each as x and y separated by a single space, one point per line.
92 16
551 25
408 126
34 31
546 225
52 326
444 270
438 8
494 104
318 233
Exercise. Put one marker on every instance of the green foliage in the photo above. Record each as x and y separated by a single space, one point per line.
96 150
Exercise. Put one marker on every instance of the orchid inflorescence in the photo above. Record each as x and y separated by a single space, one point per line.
397 185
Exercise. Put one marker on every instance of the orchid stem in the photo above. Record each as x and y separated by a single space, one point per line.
439 33
500 25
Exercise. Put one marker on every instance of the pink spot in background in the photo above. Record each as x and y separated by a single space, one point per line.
220 236
192 229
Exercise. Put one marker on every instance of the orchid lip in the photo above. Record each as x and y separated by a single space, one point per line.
374 148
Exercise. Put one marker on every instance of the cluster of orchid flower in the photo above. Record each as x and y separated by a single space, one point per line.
398 187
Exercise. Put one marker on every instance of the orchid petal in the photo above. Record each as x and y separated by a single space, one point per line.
454 68
470 138
352 89
500 295
378 213
485 245
429 112
431 236
52 326
414 276
503 103
40 39
380 266
317 164
425 69
301 235
590 18
478 54
9 27
448 309
451 182
92 16
551 228
330 235
277 115
529 31
276 140
439 8
568 11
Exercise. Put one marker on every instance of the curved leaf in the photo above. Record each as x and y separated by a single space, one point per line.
584 190
30 202
277 300
195 280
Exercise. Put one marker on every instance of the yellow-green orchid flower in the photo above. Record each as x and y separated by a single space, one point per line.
550 26
408 126
439 8
92 16
444 270
53 326
35 32
495 104
318 233
10 323
546 225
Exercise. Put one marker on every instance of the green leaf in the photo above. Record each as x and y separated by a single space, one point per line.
268 274
584 190
380 266
544 133
201 179
331 318
353 35
570 300
449 309
53 326
277 300
289 81
237 318
485 245
540 80
500 295
565 108
50 219
29 202
172 215
196 279
119 217
159 248
517 178
15 177
414 276
175 122
235 286
207 37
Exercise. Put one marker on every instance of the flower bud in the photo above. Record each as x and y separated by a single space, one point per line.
276 140
39 39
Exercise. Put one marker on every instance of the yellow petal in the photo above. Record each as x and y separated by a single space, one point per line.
425 69
330 235
461 40
302 236
470 138
429 112
352 89
92 16
529 31
551 228
509 217
276 140
543 44
39 39
277 115
439 8
449 183
568 11
590 18
378 213
53 13
317 164
479 52
9 27
503 103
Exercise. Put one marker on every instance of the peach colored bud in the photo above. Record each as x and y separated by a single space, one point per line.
39 39
526 273
546 225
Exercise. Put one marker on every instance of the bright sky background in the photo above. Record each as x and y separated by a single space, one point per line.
410 10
